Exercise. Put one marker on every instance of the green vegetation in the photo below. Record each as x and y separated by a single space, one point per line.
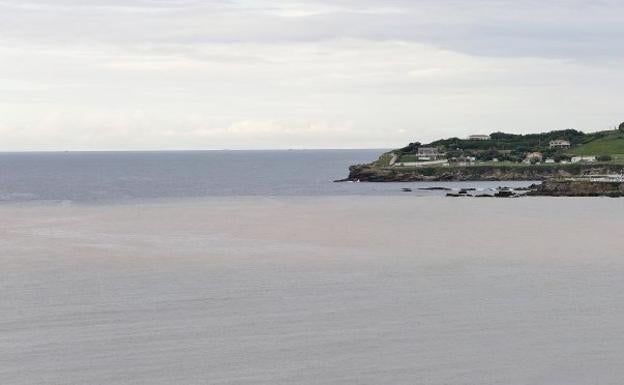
500 156
604 158
607 145
511 142
384 160
504 149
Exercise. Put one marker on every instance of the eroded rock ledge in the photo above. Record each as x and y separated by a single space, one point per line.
373 173
578 188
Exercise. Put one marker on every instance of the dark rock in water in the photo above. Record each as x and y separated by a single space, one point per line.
459 195
406 189
503 193
435 189
578 188
484 196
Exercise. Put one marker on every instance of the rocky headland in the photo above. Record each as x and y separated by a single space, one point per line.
500 156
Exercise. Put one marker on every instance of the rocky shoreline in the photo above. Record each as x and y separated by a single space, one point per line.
373 173
578 188
548 188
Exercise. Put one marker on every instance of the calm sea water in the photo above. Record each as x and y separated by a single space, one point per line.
123 176
319 290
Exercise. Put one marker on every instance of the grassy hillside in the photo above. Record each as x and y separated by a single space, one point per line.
612 144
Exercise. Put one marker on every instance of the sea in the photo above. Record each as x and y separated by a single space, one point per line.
255 268
106 177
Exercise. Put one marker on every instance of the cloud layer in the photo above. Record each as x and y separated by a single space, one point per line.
132 74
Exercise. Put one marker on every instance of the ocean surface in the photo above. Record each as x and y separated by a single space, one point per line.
253 268
88 177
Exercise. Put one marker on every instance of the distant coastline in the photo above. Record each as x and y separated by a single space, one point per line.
500 157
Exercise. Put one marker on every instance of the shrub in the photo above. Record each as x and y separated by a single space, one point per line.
604 158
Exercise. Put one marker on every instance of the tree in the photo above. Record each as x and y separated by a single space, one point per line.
621 128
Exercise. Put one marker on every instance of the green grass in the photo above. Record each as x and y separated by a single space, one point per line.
618 158
409 158
384 160
609 145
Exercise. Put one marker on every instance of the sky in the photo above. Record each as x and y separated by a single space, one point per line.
266 74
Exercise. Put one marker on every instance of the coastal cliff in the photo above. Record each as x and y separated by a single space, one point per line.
374 173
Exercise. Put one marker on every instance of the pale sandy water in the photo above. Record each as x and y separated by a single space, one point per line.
319 290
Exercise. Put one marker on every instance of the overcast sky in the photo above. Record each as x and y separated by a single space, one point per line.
202 74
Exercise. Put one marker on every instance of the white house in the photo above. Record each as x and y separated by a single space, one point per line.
479 137
429 153
559 143
577 159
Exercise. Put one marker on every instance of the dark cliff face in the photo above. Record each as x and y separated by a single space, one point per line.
570 188
372 173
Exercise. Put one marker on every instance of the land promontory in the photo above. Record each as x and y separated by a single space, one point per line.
500 156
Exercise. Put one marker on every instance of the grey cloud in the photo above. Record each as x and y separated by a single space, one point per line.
270 73
579 30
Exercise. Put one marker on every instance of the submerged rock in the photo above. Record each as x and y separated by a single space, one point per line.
435 189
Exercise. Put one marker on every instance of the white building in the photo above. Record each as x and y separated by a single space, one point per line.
429 153
577 159
479 137
559 143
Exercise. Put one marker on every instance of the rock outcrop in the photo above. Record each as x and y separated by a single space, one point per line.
578 188
374 173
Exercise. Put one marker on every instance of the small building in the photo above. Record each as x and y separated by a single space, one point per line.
560 143
577 159
534 157
429 153
479 137
549 161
